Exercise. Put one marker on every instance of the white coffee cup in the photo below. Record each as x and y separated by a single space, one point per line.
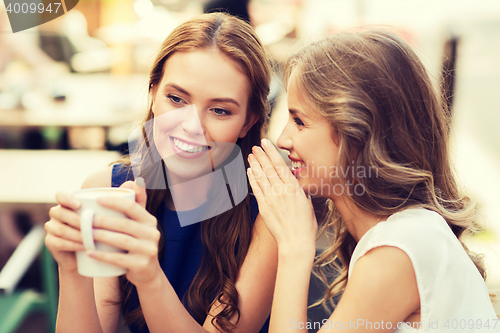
88 266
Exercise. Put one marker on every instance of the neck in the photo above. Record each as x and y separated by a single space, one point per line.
187 194
357 220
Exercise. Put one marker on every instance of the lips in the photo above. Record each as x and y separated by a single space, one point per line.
186 149
297 166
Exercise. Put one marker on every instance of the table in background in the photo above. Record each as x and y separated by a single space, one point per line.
102 101
91 100
29 179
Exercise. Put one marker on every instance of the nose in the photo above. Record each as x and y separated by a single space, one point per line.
285 139
192 123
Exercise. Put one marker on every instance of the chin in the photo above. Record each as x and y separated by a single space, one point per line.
186 171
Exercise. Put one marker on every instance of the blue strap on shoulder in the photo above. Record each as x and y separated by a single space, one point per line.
120 174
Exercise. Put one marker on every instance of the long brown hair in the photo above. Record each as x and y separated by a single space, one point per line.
226 237
386 115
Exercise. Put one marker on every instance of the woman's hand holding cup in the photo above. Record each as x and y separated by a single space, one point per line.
121 236
137 234
63 237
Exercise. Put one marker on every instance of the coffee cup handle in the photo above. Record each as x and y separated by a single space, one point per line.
86 221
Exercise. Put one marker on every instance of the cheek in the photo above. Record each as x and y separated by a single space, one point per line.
159 107
158 132
162 105
168 118
305 147
329 157
225 131
162 123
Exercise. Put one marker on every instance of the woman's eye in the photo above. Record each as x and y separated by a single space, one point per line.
174 99
221 112
298 121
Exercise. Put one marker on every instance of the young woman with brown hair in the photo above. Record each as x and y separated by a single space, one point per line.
368 131
217 275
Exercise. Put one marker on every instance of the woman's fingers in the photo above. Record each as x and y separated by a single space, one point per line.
267 166
138 240
130 208
257 191
66 216
64 231
259 175
116 258
274 166
128 243
267 174
130 262
67 200
54 242
278 162
139 186
126 226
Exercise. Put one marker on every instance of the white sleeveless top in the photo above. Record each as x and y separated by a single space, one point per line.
453 295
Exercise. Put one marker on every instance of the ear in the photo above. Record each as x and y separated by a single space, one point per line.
251 120
154 90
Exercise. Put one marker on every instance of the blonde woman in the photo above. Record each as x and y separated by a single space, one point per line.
367 131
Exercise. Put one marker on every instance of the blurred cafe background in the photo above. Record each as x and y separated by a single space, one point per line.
73 89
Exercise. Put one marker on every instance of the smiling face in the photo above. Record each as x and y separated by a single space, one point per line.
308 138
200 110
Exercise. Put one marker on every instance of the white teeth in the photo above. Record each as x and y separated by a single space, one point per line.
297 165
187 147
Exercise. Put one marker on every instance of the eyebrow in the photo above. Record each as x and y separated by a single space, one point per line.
176 87
220 100
297 112
226 100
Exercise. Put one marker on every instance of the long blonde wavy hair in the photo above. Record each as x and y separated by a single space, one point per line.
385 114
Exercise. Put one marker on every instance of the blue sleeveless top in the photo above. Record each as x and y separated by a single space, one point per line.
183 249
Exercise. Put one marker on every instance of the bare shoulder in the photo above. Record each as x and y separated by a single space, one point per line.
385 265
100 178
385 281
387 256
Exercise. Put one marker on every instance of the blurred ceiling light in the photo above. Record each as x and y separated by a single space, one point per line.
275 30
92 61
143 7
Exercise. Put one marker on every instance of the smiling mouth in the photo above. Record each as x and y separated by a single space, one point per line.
188 148
297 165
